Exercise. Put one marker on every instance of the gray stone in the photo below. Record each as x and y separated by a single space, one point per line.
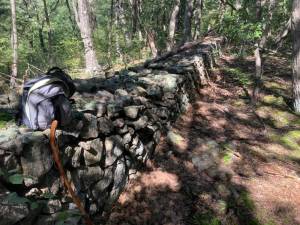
36 158
155 92
52 206
105 125
138 91
114 149
93 152
11 212
123 130
113 110
119 123
104 96
121 92
90 175
127 138
140 123
174 138
76 157
120 180
103 183
90 107
74 129
8 134
101 109
137 148
131 111
90 128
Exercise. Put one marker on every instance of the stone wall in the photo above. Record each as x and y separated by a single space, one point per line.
117 124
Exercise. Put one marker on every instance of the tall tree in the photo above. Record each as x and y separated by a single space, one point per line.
172 25
266 27
49 33
83 19
188 15
198 15
296 53
14 42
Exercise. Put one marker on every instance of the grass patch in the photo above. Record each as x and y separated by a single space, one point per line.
205 219
239 76
291 140
4 119
273 100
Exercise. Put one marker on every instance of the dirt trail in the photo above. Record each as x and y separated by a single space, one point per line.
225 162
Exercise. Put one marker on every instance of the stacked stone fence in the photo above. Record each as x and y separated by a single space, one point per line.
116 125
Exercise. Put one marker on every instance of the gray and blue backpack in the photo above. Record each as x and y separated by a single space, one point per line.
47 98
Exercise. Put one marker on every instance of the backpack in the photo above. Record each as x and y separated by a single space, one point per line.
47 98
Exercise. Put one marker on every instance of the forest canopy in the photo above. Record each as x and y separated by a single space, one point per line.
127 30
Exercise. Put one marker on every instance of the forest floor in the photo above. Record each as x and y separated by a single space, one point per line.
229 162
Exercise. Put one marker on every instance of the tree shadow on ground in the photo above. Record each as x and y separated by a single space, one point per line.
207 176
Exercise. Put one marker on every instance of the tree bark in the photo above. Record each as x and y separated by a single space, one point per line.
14 42
198 16
120 16
83 20
187 31
259 49
151 42
296 53
49 33
172 25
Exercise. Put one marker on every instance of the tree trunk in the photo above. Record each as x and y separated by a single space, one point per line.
151 42
120 16
187 31
49 32
198 16
14 42
296 53
172 25
259 49
83 20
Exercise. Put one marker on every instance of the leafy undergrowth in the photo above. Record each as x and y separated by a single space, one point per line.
5 118
234 164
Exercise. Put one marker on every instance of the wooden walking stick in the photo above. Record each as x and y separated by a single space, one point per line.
63 177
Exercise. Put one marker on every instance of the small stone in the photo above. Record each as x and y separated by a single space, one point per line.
101 109
93 152
119 123
11 213
155 92
114 149
102 184
140 123
104 96
127 138
52 206
174 139
90 128
131 111
113 110
76 157
90 175
121 92
123 130
105 126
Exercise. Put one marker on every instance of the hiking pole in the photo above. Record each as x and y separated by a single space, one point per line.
63 177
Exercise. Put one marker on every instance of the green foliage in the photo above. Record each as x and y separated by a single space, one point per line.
14 198
4 119
205 219
239 76
16 179
63 216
